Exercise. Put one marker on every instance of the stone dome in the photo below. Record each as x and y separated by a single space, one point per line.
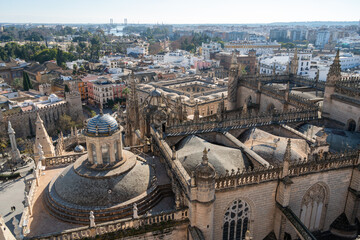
80 186
102 123
79 148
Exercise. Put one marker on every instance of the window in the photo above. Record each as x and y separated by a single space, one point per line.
312 207
236 221
93 151
105 154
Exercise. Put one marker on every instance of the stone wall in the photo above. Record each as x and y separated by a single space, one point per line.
260 197
24 123
342 111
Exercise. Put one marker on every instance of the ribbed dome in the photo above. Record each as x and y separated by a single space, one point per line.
102 124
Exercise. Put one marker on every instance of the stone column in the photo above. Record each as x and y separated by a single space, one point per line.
98 153
89 150
120 149
112 153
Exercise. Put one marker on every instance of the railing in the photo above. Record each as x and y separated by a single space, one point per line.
351 91
62 160
118 225
175 165
320 163
24 221
245 122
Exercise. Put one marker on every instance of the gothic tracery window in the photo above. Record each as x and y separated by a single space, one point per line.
236 221
312 207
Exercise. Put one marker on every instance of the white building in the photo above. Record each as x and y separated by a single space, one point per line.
136 50
304 59
207 48
174 57
349 60
322 38
267 64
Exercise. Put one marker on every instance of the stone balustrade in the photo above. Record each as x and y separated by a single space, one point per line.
262 119
62 160
320 163
174 164
129 225
24 221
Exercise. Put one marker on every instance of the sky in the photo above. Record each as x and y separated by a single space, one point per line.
178 12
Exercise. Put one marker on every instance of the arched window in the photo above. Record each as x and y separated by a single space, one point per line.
105 154
312 207
93 151
351 125
236 221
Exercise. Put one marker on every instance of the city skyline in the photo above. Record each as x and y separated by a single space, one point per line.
171 12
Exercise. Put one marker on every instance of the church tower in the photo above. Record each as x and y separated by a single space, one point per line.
42 138
15 154
73 100
132 115
203 197
232 84
334 75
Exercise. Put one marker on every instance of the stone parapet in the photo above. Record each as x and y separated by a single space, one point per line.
126 225
327 162
263 119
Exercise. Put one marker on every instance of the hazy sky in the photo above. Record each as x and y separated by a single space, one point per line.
179 11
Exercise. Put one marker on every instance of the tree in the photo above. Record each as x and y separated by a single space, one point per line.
125 91
67 89
66 123
3 145
75 67
60 59
26 82
93 113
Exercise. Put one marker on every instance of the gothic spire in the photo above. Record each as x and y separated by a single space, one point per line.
205 157
294 63
334 73
10 129
287 154
233 58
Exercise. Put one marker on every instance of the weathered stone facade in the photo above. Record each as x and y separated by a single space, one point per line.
24 122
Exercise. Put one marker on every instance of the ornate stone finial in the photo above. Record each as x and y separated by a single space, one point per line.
173 153
196 112
248 235
10 129
40 152
233 58
205 157
294 63
17 229
92 219
287 154
244 110
334 73
274 69
135 211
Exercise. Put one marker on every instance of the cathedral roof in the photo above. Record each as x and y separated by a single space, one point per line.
190 154
102 123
